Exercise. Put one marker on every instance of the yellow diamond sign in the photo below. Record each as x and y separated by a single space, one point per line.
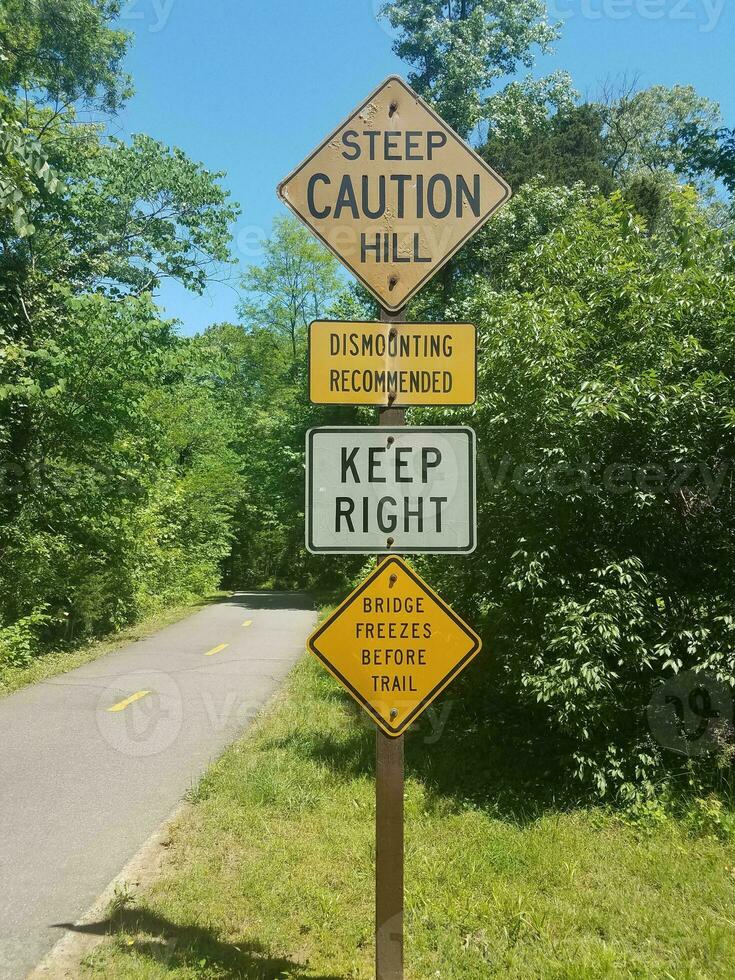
394 644
394 193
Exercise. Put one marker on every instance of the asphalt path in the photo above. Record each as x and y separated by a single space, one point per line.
93 761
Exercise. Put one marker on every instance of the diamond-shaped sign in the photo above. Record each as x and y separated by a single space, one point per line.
394 193
394 644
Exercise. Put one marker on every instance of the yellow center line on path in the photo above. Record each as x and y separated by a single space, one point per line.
122 705
248 622
211 653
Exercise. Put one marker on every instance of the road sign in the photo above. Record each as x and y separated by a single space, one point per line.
392 364
394 192
390 489
394 644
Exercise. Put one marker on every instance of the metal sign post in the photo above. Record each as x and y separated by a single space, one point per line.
389 782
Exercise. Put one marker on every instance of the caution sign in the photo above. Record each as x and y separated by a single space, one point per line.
394 192
390 490
392 364
394 645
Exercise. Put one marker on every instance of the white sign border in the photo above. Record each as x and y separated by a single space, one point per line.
388 430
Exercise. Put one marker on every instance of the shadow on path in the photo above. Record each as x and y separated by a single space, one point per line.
270 600
175 946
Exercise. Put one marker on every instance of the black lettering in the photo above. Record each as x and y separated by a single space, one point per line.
348 462
390 142
430 459
349 139
365 248
402 463
438 501
374 464
435 141
326 211
380 211
412 144
473 199
345 199
389 526
344 508
434 211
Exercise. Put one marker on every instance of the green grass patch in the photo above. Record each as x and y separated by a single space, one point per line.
270 874
55 662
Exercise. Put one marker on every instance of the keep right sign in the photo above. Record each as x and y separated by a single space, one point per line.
390 490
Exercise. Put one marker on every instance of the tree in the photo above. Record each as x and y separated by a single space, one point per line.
565 148
643 129
117 477
458 49
710 151
63 53
296 283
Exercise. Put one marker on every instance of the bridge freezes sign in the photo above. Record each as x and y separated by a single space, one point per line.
398 490
394 192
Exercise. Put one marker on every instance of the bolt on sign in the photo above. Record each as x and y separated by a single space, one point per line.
392 364
383 489
394 192
394 644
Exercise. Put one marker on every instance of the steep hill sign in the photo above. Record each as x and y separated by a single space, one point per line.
394 192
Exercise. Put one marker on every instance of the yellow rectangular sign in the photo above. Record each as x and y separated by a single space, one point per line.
394 644
392 364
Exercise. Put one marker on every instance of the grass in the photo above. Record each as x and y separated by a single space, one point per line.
270 873
57 662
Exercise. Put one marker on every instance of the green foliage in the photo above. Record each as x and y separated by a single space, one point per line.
19 641
296 283
458 49
24 175
118 480
121 499
643 129
710 151
565 148
607 398
65 49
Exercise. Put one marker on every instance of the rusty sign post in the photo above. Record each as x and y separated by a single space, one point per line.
394 193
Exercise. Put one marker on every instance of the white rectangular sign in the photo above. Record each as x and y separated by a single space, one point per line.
386 490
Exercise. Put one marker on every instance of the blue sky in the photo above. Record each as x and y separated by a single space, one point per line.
250 88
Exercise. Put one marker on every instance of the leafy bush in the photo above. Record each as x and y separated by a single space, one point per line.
19 641
605 420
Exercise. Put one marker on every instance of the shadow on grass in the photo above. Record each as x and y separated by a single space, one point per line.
175 946
470 748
